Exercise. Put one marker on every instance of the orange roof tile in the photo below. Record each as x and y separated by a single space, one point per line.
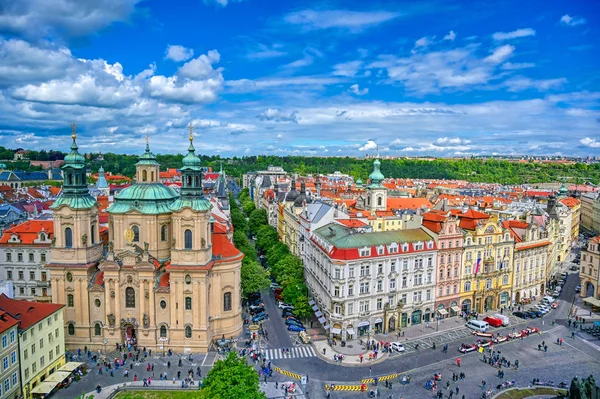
408 203
530 246
352 222
28 313
221 246
570 202
28 232
6 321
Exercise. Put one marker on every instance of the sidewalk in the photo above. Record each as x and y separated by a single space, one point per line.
351 353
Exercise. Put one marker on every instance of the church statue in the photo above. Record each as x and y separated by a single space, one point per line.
146 246
111 246
173 240
146 321
203 242
53 241
111 320
84 239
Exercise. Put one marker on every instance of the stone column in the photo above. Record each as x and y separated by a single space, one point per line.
85 313
181 301
151 304
196 310
174 297
203 298
117 311
107 301
142 291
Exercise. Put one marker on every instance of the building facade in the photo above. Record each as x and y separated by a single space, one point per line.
24 253
41 339
371 282
589 269
590 212
165 279
10 386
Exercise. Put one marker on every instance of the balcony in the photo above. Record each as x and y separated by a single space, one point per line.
364 314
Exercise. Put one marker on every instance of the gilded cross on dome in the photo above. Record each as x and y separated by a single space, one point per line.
73 130
191 127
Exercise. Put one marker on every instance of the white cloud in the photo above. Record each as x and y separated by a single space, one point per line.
450 36
276 115
262 52
43 18
370 145
511 66
356 90
520 83
571 21
588 142
178 53
447 141
349 69
201 67
423 42
354 21
514 34
500 54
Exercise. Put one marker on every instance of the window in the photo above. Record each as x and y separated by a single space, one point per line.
70 331
32 349
363 306
20 275
26 374
44 275
50 337
404 281
393 284
364 288
441 274
163 232
9 274
188 332
136 233
19 257
56 332
429 276
350 308
365 270
41 343
393 267
365 252
379 285
440 292
8 257
22 290
417 296
379 303
428 295
227 301
129 297
337 274
31 258
42 361
4 341
467 286
12 337
188 239
405 264
57 350
33 291
51 355
488 283
351 272
336 291
5 363
418 279
93 234
418 263
380 268
351 290
70 301
69 277
163 331
454 289
163 304
505 279
455 271
6 385
34 368
97 329
337 308
68 237
188 303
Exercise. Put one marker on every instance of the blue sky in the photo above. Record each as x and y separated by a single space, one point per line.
442 78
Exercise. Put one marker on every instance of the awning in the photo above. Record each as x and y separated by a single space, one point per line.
315 308
70 366
45 387
378 320
318 313
58 376
443 312
311 302
350 331
363 323
336 330
455 308
592 301
326 326
322 320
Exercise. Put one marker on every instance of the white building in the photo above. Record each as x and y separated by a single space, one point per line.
369 282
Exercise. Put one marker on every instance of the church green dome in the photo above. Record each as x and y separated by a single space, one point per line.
376 176
74 157
152 198
191 160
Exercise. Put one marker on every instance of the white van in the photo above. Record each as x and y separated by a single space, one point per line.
548 300
505 319
478 325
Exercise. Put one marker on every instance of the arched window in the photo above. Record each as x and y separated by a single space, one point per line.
467 286
163 232
69 179
68 237
136 233
379 201
129 297
151 176
188 239
144 175
188 303
163 331
93 233
227 301
71 329
97 329
70 301
188 332
505 279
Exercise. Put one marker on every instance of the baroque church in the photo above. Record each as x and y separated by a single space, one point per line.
167 278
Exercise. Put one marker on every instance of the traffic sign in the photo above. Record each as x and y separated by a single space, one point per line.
303 380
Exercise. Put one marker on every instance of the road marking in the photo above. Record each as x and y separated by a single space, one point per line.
298 352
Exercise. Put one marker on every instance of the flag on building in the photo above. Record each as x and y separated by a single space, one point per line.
477 266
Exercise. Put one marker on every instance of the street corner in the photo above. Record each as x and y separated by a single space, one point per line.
332 355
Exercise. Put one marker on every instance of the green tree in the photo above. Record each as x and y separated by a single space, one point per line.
266 237
254 277
301 306
232 378
258 218
248 207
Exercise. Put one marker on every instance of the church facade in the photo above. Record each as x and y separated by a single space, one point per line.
167 279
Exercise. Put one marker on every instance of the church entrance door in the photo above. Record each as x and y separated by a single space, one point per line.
129 335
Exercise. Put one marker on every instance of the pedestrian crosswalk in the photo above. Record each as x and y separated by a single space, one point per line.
294 352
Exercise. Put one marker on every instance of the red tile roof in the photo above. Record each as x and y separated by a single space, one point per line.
530 246
6 321
28 232
352 222
221 246
570 202
28 313
408 203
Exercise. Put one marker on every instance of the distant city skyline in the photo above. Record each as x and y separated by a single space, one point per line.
432 78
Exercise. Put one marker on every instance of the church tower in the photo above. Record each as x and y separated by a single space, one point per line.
146 169
376 191
76 248
191 215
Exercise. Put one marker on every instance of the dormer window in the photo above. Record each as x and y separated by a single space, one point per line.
404 247
380 250
418 246
430 245
42 237
393 248
364 252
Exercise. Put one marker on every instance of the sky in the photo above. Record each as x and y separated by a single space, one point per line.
327 78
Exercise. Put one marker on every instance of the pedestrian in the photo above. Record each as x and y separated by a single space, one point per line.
276 385
457 391
573 334
545 348
483 384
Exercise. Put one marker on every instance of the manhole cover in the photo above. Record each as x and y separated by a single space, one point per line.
349 346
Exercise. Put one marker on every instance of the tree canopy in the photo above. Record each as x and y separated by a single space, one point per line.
232 378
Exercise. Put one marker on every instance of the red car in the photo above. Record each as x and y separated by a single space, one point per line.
492 321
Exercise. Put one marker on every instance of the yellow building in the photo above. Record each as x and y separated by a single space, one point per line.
167 278
41 339
288 223
487 262
575 205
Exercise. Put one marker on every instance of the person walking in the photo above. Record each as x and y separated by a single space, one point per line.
457 391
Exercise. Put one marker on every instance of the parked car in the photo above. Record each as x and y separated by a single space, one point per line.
274 286
521 315
277 291
532 314
536 311
397 346
257 310
293 323
578 289
296 328
259 317
287 313
292 317
283 305
492 321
